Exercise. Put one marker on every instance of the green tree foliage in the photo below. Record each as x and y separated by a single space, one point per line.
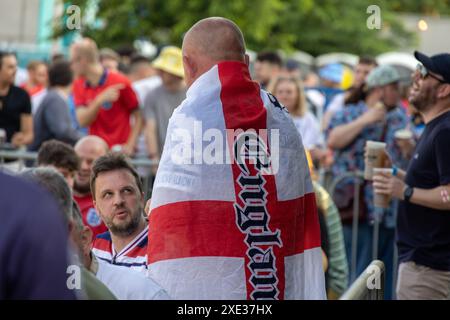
314 26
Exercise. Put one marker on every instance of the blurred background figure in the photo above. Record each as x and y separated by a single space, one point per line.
355 93
144 78
163 99
109 59
37 82
60 156
52 120
289 91
105 101
88 149
331 76
15 106
292 69
37 77
268 66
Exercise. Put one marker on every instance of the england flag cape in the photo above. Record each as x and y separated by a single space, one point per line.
233 213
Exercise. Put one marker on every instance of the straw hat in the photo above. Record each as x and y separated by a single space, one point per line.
170 60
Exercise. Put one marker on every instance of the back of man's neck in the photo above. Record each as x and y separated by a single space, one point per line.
62 90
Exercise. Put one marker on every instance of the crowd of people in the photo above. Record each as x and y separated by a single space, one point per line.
87 115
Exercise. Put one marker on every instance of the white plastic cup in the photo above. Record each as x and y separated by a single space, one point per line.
381 200
375 157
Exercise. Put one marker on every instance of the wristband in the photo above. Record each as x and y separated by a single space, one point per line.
394 171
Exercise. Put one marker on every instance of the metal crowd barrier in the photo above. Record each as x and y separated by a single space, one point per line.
22 156
369 285
358 177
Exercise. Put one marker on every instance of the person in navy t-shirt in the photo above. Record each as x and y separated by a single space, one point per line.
423 223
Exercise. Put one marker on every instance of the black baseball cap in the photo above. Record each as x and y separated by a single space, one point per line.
439 64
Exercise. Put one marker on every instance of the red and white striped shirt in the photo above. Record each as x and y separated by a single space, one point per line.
134 255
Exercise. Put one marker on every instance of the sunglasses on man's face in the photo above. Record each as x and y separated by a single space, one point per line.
425 73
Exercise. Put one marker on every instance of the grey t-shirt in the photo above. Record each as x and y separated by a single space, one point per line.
52 121
159 105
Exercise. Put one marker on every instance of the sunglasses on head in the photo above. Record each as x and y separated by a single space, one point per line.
425 73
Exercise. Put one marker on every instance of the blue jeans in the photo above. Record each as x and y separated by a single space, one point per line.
386 242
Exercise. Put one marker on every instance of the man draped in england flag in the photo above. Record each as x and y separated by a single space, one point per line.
233 213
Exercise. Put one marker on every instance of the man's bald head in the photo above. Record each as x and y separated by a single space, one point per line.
210 41
88 149
87 48
94 142
83 54
218 38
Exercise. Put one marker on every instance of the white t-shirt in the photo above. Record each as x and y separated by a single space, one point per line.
129 284
309 129
143 86
37 99
337 103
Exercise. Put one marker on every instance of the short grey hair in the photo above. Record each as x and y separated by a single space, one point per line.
76 215
56 185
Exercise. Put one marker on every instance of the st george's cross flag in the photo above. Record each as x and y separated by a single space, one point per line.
233 212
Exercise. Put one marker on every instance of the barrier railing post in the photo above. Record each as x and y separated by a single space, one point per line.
376 231
355 224
369 285
358 177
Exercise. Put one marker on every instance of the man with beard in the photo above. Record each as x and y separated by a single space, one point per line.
119 199
88 150
377 118
423 223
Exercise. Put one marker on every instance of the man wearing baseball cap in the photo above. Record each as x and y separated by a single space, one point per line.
423 223
160 102
377 119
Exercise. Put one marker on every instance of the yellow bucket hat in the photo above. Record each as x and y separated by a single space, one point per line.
170 60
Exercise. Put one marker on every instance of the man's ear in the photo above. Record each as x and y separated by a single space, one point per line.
443 91
86 236
142 198
190 68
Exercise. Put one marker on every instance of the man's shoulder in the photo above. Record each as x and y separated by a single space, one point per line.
441 130
51 96
117 77
102 245
19 92
152 95
106 236
140 286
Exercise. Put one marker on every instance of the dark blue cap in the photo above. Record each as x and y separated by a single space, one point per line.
439 64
